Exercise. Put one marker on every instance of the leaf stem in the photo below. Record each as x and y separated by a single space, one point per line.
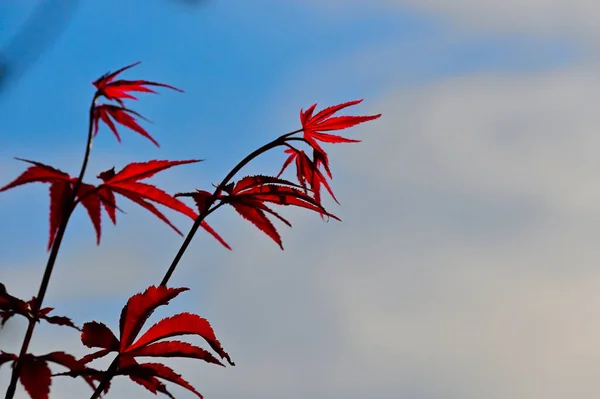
275 143
69 206
281 140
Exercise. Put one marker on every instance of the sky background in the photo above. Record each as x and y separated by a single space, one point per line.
467 263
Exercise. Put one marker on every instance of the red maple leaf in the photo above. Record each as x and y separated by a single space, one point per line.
36 376
250 195
123 116
313 126
125 183
308 173
119 89
146 375
128 346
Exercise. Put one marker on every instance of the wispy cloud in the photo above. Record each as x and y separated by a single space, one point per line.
576 18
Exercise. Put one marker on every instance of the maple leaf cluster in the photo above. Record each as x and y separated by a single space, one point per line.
117 90
36 377
252 197
129 346
95 198
66 192
308 169
125 183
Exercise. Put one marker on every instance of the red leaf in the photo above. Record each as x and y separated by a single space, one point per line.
126 183
60 321
174 349
91 203
182 324
200 197
248 197
147 370
307 171
118 89
60 193
259 181
69 362
110 76
277 191
38 173
139 308
91 198
323 121
152 193
152 384
133 316
98 335
96 355
123 116
136 171
259 219
264 208
109 202
35 377
293 156
320 158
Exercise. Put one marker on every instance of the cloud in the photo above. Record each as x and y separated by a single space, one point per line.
575 18
466 266
579 17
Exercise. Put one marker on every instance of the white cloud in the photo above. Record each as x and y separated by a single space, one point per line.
467 265
576 18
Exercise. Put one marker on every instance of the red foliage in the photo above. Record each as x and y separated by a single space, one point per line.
123 116
308 173
125 183
128 346
36 376
116 90
314 125
10 306
250 195
307 170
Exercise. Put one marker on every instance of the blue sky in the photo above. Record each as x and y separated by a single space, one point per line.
483 158
235 60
